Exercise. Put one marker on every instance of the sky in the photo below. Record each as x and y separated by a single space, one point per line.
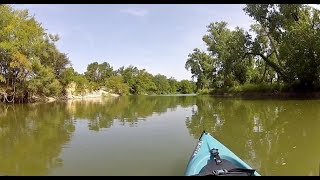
157 38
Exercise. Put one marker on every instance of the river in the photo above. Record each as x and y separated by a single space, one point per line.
155 135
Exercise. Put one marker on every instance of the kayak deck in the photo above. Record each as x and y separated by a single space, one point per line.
202 161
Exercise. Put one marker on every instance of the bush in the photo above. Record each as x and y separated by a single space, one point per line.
265 88
205 91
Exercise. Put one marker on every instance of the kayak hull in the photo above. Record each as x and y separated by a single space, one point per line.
201 155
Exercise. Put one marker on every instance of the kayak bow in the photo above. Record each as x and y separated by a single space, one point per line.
211 157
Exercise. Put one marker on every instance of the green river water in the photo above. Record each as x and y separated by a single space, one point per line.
155 135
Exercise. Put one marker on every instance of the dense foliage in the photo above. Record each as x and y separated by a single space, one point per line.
282 49
30 63
280 52
31 66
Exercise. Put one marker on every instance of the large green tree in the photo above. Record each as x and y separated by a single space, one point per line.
283 46
116 85
186 87
99 72
162 84
144 83
291 33
129 75
27 52
202 67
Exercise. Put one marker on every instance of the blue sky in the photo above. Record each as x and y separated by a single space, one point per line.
157 38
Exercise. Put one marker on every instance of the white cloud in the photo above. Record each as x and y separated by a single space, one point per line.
135 11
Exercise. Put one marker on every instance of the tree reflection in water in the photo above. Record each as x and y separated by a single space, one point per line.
277 137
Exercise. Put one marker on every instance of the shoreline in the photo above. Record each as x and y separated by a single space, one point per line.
92 96
99 95
267 95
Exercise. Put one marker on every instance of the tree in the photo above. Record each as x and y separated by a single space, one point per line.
228 47
50 56
186 87
82 84
162 84
99 72
129 75
43 82
174 84
144 83
26 51
117 85
285 48
202 67
68 76
293 37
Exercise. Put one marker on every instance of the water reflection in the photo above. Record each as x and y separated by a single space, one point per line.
31 138
126 110
275 137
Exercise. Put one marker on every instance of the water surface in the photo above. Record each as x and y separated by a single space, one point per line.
155 135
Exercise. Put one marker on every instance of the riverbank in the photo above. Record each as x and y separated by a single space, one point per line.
92 96
263 91
88 95
267 95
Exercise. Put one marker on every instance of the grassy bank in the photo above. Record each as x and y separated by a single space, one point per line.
262 91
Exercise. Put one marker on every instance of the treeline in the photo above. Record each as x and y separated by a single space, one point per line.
280 52
32 66
125 81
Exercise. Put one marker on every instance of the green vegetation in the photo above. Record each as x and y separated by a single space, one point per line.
31 66
280 53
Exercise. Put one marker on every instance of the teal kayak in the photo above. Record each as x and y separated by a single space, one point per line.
211 157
